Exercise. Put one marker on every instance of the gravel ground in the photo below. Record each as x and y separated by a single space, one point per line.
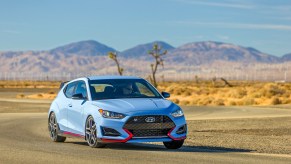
262 135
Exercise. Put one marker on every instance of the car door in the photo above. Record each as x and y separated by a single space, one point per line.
76 109
63 103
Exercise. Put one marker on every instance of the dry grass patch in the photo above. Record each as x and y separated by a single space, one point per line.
242 93
30 84
49 96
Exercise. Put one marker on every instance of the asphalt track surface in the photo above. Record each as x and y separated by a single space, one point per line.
24 139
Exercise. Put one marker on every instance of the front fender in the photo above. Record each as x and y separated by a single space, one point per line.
61 117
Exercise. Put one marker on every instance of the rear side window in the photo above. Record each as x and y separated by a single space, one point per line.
81 88
69 91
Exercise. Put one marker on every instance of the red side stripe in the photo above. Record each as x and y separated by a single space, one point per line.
116 140
73 134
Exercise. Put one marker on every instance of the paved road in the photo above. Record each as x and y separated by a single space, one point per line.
24 139
204 112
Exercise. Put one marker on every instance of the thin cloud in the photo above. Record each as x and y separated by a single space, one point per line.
10 32
199 36
217 4
285 8
223 37
285 18
237 25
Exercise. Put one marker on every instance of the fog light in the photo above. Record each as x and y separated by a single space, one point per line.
182 129
110 132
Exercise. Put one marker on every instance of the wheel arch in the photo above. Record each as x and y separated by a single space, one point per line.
54 108
93 114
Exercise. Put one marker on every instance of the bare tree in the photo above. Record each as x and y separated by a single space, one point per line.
196 79
113 56
213 81
157 53
226 82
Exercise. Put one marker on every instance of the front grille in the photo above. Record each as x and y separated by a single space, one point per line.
155 126
150 132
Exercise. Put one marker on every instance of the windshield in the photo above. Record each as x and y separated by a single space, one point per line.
122 88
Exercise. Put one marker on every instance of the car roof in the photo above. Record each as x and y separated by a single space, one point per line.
112 77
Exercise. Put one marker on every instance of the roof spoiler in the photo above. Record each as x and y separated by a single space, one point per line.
62 84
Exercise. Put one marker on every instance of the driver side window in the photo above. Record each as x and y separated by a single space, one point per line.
144 90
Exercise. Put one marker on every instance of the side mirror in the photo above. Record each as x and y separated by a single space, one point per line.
78 96
166 94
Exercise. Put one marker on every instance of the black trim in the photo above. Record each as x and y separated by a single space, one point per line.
62 84
110 132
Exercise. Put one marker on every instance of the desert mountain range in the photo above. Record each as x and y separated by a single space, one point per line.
91 57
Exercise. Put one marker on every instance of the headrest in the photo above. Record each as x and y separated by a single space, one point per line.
108 89
92 89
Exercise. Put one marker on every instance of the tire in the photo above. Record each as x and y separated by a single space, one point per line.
54 129
91 134
174 144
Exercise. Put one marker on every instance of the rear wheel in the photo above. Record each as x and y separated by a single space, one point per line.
54 129
91 134
174 144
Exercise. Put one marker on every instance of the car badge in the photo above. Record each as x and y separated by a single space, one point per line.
150 119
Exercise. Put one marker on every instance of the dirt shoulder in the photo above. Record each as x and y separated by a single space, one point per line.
262 135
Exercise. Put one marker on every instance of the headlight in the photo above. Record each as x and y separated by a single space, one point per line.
108 114
177 113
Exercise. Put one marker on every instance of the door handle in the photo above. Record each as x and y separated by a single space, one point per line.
70 105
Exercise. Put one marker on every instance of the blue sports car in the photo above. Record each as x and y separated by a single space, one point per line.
110 109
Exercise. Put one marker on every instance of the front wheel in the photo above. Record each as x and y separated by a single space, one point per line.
91 134
54 129
174 144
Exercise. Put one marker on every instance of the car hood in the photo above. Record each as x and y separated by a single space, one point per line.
133 105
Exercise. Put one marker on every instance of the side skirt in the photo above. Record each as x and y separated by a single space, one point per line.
70 134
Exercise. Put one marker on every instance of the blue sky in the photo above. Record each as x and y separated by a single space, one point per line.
121 24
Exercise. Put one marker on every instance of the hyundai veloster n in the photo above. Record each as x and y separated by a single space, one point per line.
111 109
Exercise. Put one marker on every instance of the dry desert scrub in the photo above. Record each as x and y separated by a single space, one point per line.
29 84
49 96
242 93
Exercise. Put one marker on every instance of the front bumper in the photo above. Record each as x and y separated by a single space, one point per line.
127 136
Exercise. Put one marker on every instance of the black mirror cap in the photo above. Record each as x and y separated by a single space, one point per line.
62 84
166 94
78 96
